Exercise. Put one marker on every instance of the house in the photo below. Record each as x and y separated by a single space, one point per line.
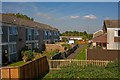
97 33
112 28
71 37
100 41
110 37
71 41
17 33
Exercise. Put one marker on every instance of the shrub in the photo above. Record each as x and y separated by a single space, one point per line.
27 55
37 55
67 46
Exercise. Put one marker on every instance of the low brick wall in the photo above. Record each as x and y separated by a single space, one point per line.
30 70
100 54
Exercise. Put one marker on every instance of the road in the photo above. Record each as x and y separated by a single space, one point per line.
77 51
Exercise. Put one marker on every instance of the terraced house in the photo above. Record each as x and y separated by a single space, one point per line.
17 33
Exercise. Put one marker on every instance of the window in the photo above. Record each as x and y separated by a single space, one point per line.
12 48
13 31
36 33
57 33
1 30
49 33
46 33
118 32
29 34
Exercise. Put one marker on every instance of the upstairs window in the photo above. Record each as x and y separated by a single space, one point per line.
13 31
46 33
117 33
49 33
28 34
36 33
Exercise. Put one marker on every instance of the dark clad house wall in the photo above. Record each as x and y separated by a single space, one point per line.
21 38
40 39
5 34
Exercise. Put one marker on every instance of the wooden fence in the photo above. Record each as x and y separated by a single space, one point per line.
30 70
56 64
102 54
64 54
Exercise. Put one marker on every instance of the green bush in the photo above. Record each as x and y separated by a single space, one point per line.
27 55
49 54
67 46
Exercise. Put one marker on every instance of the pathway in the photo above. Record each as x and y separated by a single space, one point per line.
77 51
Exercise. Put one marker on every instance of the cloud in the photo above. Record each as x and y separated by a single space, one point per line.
74 17
106 18
90 16
44 15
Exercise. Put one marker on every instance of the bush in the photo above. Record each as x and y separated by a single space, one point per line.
27 55
37 55
67 46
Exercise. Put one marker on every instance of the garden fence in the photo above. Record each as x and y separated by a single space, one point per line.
57 64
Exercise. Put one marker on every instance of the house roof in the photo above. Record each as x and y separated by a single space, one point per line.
97 33
102 38
11 19
71 36
112 23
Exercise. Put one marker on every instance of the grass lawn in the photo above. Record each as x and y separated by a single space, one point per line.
17 63
82 54
90 71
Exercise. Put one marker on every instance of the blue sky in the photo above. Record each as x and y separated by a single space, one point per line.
79 16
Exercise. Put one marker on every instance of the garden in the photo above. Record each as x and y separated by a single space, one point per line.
89 71
82 54
27 55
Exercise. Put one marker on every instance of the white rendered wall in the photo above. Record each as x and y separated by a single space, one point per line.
110 40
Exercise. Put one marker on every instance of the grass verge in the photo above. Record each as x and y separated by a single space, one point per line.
82 54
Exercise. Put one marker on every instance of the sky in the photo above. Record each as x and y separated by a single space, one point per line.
66 16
